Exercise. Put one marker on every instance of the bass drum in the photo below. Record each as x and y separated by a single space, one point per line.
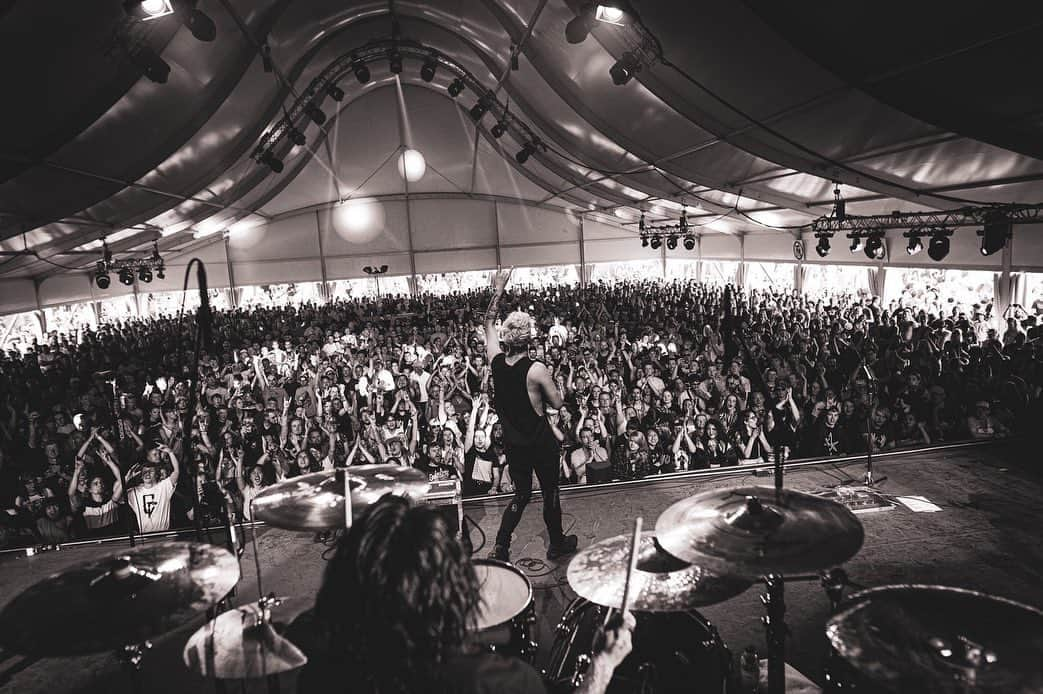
673 652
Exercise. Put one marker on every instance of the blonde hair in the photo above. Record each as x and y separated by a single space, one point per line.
516 330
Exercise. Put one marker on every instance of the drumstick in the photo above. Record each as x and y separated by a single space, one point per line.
347 500
631 568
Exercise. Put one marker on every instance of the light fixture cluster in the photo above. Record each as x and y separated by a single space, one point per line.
654 236
373 270
307 107
140 11
615 12
146 268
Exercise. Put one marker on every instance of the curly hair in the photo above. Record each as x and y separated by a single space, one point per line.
398 596
516 331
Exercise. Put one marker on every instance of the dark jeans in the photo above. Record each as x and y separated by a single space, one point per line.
544 458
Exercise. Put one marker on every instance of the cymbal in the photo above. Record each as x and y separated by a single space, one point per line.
316 501
240 644
123 599
661 583
747 531
940 639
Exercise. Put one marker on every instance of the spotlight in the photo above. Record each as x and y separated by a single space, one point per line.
499 129
578 28
296 136
148 9
624 69
527 150
915 244
611 13
160 275
641 222
822 247
127 276
938 246
689 243
395 62
315 113
480 109
994 233
101 278
200 24
273 162
145 275
875 247
656 242
335 92
671 242
153 67
856 244
455 87
644 242
427 72
360 70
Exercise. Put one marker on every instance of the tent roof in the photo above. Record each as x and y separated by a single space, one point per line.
762 106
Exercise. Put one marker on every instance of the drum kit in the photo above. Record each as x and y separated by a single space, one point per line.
705 549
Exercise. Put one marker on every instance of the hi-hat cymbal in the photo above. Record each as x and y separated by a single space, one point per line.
751 532
661 583
316 501
920 638
127 598
239 644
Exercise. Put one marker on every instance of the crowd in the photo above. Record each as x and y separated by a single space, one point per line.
656 378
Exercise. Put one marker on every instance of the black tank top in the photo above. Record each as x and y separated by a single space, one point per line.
521 424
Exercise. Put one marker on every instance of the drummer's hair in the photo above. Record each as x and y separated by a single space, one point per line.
398 596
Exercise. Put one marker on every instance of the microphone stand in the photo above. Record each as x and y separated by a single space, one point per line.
122 436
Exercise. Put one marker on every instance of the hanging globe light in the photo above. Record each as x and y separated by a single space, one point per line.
411 165
360 220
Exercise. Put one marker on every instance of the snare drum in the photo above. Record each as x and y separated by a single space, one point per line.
673 652
506 613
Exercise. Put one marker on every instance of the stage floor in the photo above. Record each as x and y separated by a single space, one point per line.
986 537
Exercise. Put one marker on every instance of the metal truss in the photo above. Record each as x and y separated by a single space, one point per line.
947 219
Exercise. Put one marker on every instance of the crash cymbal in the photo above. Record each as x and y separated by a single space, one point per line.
240 644
749 532
316 501
126 598
661 583
922 638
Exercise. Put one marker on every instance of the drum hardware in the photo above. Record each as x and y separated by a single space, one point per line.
506 613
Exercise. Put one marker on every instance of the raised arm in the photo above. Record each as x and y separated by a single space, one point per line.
492 340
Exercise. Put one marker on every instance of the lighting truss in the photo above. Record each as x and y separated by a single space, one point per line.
963 217
296 116
153 263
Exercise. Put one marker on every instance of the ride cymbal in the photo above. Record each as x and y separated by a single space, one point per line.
316 501
126 598
661 583
756 531
923 638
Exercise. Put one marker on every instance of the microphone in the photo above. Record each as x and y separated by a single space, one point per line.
204 316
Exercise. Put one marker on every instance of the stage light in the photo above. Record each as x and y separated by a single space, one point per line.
624 69
152 66
199 23
499 129
822 247
689 243
644 242
578 28
127 276
335 92
315 113
360 70
148 9
395 62
671 242
875 247
915 245
272 161
296 136
938 246
160 275
611 13
144 274
480 109
455 87
527 150
101 277
427 71
656 242
856 244
411 165
995 233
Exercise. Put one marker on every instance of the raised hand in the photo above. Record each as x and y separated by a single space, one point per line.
500 279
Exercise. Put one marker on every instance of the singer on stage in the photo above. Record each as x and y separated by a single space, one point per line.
523 387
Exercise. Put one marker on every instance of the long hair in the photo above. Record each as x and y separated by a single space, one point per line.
398 597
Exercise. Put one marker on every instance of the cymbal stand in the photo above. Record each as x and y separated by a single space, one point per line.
131 656
775 631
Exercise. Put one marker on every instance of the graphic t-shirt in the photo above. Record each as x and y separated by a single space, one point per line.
152 505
